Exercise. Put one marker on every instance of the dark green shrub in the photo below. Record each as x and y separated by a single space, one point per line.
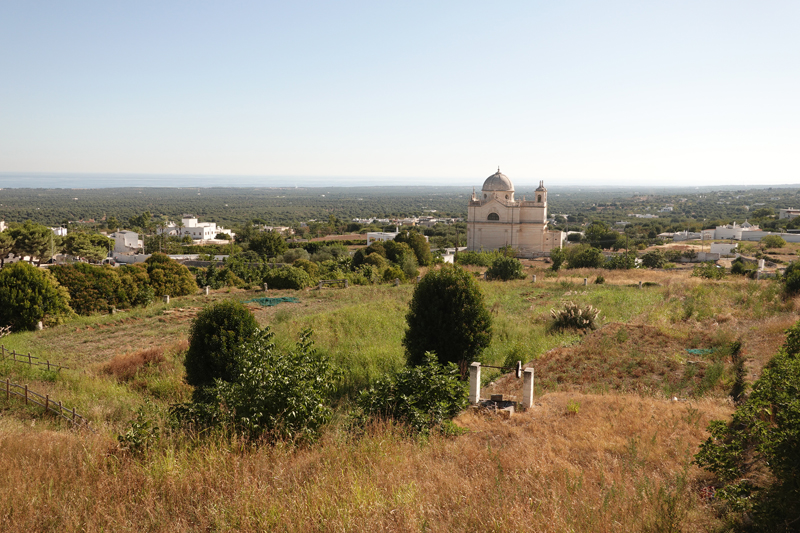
654 259
423 396
135 284
762 436
29 295
214 336
287 278
791 279
92 289
506 268
168 277
557 258
419 245
739 267
709 270
773 241
392 273
276 394
584 256
623 261
599 280
447 316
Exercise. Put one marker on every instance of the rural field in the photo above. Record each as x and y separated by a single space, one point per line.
619 414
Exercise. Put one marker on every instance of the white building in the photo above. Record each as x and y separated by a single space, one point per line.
126 242
60 232
373 236
198 231
788 213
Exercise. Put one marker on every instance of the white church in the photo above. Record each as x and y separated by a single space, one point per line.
496 219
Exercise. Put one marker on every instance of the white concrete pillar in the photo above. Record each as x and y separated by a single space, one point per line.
585 281
206 289
166 298
527 388
640 284
396 282
534 278
266 288
474 383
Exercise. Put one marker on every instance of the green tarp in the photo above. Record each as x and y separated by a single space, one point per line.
269 302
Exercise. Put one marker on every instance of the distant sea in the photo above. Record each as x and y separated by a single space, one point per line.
104 181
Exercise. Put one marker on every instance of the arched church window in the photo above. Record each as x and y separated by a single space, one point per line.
493 216
540 198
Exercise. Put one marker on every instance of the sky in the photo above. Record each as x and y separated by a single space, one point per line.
571 92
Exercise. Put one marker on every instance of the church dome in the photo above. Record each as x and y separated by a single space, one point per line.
498 182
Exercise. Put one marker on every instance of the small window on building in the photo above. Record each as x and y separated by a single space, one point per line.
540 198
484 197
493 216
506 197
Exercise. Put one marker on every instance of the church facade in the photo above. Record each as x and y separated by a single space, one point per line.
496 219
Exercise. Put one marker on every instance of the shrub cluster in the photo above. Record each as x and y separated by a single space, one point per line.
29 295
423 396
506 268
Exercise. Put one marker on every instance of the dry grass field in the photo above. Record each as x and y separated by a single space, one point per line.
619 413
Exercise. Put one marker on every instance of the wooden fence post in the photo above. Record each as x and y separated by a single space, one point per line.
26 395
60 409
8 389
46 403
29 359
48 365
73 415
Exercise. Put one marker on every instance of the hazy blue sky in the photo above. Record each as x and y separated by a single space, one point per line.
572 92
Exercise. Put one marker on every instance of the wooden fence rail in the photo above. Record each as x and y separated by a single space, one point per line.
28 359
29 396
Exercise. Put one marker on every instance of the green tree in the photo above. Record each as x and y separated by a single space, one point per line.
584 256
447 316
29 295
762 436
277 394
773 241
599 235
168 277
423 396
654 259
419 244
791 279
506 268
6 246
91 247
268 244
35 240
557 257
215 334
92 289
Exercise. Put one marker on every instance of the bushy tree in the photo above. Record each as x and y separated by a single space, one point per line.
584 256
6 246
92 289
506 268
791 279
423 396
419 244
447 316
762 436
654 259
268 243
34 240
91 247
557 258
276 394
287 278
168 277
773 241
708 270
215 334
29 295
623 261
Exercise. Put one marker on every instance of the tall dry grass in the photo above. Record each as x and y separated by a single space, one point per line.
619 464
